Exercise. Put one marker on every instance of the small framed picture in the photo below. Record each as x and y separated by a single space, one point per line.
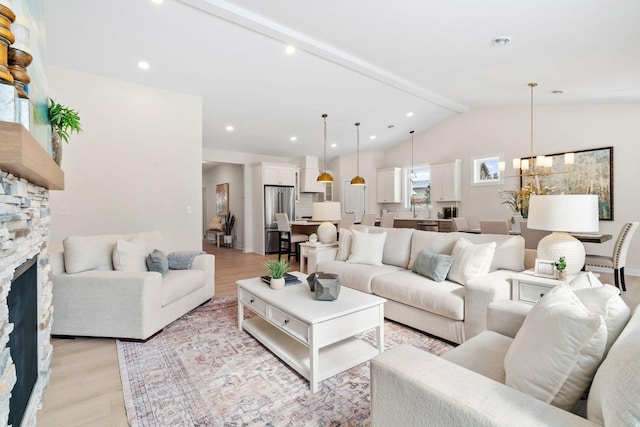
485 170
545 268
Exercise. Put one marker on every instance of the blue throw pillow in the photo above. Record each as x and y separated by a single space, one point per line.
158 261
433 266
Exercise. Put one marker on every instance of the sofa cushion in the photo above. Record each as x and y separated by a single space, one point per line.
470 260
605 300
403 286
509 253
431 241
356 276
397 245
581 281
483 354
557 350
178 283
344 243
367 248
613 397
158 261
433 266
83 253
130 255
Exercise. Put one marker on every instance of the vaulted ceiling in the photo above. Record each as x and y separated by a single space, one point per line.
368 61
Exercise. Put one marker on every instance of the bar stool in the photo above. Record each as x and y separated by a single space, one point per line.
288 241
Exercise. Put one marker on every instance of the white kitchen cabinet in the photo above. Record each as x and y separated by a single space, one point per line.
389 185
446 182
279 175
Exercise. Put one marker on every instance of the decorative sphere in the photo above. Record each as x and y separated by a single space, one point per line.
313 237
327 232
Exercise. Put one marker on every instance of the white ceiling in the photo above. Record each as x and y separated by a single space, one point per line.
370 61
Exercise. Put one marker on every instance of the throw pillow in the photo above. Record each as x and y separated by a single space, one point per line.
605 300
433 266
158 261
367 248
557 350
344 244
470 260
588 280
130 255
182 260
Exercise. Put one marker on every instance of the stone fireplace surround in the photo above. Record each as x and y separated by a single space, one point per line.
27 173
24 233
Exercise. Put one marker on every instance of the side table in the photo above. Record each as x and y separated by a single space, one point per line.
310 250
528 288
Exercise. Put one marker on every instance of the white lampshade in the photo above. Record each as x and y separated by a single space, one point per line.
562 214
326 211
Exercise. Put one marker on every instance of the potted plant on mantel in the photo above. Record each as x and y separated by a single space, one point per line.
229 223
277 269
64 121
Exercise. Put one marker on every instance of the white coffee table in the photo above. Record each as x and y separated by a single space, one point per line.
315 338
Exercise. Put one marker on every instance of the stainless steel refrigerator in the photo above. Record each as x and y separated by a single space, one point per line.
276 199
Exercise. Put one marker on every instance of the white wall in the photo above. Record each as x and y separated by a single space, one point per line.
137 164
234 175
557 129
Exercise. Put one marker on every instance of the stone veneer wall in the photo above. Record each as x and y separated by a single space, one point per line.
24 233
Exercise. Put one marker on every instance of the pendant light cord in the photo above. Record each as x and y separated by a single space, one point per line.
412 173
358 149
324 116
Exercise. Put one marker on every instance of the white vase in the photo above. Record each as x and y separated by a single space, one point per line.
516 223
277 283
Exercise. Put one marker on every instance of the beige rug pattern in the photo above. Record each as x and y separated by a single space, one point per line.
202 371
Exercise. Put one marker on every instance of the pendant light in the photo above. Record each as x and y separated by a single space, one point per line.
357 180
325 176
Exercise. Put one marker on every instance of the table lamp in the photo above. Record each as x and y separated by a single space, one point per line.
563 214
326 211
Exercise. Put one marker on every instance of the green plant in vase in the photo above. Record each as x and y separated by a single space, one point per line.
64 121
561 267
277 269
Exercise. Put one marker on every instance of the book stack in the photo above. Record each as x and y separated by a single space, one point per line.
289 279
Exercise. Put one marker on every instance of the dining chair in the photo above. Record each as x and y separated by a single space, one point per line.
346 221
368 219
288 242
387 220
618 259
460 224
531 236
494 226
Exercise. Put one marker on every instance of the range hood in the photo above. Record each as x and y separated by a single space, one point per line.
309 172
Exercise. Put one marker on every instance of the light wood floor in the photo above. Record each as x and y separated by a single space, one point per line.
85 388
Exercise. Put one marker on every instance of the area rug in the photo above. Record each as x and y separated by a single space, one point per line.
203 371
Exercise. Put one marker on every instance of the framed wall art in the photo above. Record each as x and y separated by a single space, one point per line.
222 199
485 170
589 172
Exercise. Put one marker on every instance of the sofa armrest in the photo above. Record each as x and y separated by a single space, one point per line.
106 303
506 316
56 259
479 293
328 254
206 263
410 387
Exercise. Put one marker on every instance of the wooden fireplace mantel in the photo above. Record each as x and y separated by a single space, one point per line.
23 156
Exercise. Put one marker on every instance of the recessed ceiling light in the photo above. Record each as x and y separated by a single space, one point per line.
410 114
372 137
334 145
229 128
557 91
156 1
501 41
143 65
390 126
293 139
290 50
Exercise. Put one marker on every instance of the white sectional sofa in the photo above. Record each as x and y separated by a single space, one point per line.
470 385
446 309
92 297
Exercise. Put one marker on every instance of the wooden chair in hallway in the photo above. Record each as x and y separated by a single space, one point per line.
287 241
618 259
368 219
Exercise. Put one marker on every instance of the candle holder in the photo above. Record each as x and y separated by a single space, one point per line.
18 61
6 39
